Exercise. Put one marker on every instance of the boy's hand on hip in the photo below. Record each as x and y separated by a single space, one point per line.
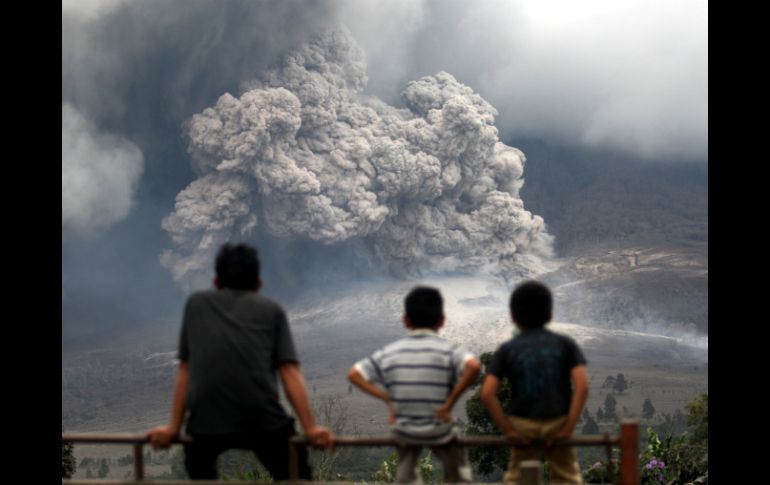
444 413
512 435
564 434
391 414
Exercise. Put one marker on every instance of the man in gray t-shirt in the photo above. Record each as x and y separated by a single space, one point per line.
233 347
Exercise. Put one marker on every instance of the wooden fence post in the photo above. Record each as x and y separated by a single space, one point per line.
629 452
293 461
531 472
138 462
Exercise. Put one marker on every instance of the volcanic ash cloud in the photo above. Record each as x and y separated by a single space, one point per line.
100 173
303 154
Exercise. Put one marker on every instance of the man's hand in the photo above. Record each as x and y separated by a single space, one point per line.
160 437
320 437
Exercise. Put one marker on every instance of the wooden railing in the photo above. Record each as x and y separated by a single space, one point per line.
627 441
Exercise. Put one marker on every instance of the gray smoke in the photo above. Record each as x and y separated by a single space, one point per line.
99 176
304 155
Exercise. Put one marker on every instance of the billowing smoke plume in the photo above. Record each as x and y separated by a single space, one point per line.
99 174
303 154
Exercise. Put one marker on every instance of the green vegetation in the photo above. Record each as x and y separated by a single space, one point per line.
648 410
674 450
610 414
67 460
679 458
486 461
386 473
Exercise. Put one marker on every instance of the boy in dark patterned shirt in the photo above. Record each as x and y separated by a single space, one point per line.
549 389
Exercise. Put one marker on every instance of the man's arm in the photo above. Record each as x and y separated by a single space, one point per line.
471 370
492 403
294 386
579 398
360 382
161 436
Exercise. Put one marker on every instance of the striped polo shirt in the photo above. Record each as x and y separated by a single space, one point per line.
418 372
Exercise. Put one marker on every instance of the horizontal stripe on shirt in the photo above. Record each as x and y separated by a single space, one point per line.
419 383
417 366
409 350
417 417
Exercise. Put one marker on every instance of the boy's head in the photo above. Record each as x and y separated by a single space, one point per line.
237 267
424 308
531 305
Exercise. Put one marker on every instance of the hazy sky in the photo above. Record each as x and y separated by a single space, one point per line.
629 77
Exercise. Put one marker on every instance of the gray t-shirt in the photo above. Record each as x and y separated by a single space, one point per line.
234 340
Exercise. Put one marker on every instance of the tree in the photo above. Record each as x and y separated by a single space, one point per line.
104 468
334 413
126 460
586 413
609 382
648 410
487 460
682 459
609 407
590 427
242 465
672 424
176 463
600 414
620 384
386 473
698 416
67 460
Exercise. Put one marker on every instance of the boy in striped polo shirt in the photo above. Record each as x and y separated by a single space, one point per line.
423 376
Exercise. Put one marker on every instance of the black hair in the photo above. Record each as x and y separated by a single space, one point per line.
531 304
237 266
424 307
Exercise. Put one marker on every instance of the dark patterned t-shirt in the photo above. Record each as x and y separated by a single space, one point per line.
538 363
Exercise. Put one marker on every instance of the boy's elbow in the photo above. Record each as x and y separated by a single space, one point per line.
488 395
473 367
584 392
488 398
353 374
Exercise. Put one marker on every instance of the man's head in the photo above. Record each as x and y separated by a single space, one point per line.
424 308
237 267
531 305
